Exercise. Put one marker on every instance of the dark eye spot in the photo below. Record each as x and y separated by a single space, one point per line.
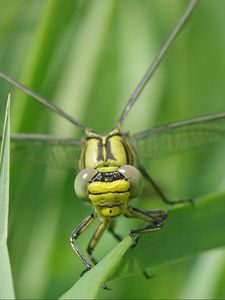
110 211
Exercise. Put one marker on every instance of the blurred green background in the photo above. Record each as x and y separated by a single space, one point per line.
87 57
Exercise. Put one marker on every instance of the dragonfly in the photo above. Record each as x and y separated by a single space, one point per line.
110 172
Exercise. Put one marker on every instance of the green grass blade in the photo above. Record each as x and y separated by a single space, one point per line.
88 286
4 176
6 282
205 275
188 231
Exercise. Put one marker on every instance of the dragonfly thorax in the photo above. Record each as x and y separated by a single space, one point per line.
99 151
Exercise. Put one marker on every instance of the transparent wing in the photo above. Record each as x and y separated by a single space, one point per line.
179 137
45 150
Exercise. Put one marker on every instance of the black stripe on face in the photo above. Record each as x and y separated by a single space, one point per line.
110 155
100 151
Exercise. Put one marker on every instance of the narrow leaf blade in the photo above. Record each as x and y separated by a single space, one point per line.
88 286
189 230
6 282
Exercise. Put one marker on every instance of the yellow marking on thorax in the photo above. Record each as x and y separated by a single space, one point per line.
106 151
90 154
107 169
117 150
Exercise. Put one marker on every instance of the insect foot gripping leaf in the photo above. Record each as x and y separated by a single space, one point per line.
88 286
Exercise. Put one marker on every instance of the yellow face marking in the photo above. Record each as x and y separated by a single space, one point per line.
105 187
107 169
111 211
109 199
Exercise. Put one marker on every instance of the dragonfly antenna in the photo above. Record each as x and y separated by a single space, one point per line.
42 100
150 71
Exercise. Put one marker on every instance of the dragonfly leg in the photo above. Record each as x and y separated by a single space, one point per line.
159 213
76 233
95 239
154 217
111 230
119 238
160 192
155 223
93 243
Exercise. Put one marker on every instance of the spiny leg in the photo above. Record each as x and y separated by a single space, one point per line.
159 213
119 239
111 230
160 192
76 233
95 239
93 243
155 223
151 217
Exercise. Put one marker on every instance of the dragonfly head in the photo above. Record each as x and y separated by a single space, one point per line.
109 188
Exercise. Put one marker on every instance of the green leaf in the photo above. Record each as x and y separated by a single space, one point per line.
188 231
6 282
88 286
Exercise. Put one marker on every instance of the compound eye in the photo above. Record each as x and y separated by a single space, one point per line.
134 177
82 180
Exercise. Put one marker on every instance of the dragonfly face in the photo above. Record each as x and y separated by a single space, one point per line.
108 179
